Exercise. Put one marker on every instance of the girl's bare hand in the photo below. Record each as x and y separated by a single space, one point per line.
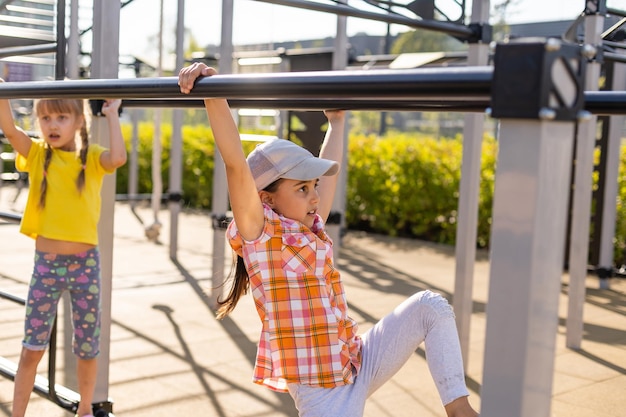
334 115
188 75
111 107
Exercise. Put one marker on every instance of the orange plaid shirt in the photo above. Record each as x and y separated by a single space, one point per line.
307 336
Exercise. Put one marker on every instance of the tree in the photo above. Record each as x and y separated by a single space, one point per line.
501 8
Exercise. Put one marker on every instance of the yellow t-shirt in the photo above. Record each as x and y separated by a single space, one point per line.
68 214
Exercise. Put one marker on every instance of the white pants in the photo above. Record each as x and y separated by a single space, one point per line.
424 317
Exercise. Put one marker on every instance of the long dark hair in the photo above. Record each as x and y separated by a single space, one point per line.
240 278
77 108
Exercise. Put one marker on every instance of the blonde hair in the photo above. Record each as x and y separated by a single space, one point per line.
76 107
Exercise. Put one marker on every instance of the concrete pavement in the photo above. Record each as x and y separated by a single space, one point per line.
170 356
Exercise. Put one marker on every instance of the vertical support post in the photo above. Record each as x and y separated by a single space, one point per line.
133 160
61 42
611 173
176 153
219 203
582 192
337 218
73 63
154 230
465 246
104 64
537 112
283 115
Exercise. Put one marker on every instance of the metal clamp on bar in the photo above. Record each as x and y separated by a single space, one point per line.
334 217
481 33
538 78
102 409
595 7
175 197
605 273
220 221
594 54
96 108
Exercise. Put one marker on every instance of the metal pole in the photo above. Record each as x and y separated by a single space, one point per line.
176 154
529 223
72 72
447 89
451 29
28 50
581 197
104 65
457 84
61 42
596 102
73 63
219 203
469 190
528 228
133 160
340 60
611 174
153 230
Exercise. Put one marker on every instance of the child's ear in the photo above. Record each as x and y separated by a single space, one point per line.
266 198
80 122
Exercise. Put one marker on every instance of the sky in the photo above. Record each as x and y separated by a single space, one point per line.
261 22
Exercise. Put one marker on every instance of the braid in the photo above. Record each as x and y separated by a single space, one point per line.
44 180
84 136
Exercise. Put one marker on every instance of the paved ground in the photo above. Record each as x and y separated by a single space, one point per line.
170 357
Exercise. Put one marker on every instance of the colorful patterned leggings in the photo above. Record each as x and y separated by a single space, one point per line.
78 274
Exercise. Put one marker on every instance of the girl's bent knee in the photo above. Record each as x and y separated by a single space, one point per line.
434 301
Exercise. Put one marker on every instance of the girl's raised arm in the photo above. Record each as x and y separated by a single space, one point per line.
332 148
18 139
244 198
116 156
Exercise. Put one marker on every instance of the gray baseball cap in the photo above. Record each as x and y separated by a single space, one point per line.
281 158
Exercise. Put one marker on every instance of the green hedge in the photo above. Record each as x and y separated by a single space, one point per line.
408 186
399 185
620 224
197 162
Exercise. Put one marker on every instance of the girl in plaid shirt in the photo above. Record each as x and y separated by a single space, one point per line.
280 196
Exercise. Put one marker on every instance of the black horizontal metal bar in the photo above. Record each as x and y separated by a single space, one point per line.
611 56
64 397
10 217
431 83
605 102
321 104
596 102
28 50
451 29
616 45
461 89
616 12
13 298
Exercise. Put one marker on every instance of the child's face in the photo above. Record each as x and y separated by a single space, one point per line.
294 199
59 129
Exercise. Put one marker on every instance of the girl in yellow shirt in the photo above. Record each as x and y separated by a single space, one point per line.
61 214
